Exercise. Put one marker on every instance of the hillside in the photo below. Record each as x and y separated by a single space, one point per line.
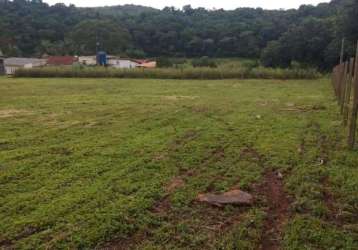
122 10
33 28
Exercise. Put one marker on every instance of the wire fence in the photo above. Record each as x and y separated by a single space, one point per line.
345 84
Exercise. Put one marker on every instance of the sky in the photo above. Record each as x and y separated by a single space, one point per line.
210 4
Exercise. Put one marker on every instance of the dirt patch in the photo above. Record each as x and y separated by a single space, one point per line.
200 109
187 137
307 108
277 210
6 245
215 155
233 197
164 205
250 154
125 243
6 113
174 184
27 232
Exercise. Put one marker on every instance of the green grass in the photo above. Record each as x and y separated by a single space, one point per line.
87 161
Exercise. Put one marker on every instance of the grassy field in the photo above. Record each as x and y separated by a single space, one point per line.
117 163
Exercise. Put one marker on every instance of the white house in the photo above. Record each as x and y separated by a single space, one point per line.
122 63
14 63
87 60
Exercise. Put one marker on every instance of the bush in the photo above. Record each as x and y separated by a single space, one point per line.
170 73
179 61
274 55
135 53
204 62
164 62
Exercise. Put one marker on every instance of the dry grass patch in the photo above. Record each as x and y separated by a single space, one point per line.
6 113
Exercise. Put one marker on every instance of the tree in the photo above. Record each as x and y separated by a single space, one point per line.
349 19
274 55
307 35
305 43
112 37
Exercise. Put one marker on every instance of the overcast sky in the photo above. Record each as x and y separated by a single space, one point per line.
226 4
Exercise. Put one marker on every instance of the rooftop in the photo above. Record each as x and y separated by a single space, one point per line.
61 60
19 61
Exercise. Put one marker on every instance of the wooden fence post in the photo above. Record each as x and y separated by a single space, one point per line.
347 99
340 81
342 52
333 80
339 75
343 85
336 80
353 124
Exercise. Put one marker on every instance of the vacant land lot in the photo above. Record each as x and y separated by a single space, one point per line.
119 164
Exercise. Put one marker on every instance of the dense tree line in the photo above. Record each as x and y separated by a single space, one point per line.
308 36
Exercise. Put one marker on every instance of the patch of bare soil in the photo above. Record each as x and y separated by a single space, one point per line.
124 244
6 245
163 205
232 197
277 210
27 232
175 183
200 109
181 141
251 154
307 108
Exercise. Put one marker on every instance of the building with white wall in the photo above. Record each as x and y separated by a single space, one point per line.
87 60
13 63
122 63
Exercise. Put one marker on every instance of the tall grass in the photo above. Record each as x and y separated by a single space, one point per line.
170 73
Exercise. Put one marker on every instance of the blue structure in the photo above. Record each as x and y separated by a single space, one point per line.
102 58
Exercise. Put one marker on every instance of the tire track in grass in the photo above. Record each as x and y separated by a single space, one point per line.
277 211
163 209
163 206
333 214
214 220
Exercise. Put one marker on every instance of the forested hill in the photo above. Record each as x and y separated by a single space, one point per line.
310 35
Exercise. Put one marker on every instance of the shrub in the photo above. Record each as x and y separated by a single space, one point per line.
179 61
164 62
135 53
204 62
170 73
